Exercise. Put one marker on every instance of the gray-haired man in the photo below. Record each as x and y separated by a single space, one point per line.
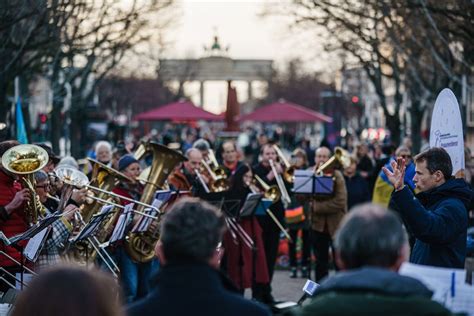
371 245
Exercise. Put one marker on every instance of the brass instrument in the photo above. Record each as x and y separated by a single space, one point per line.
73 178
340 157
219 171
289 173
219 180
25 160
141 246
285 197
270 192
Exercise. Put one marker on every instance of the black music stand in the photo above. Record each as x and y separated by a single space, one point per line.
251 204
93 226
32 231
229 207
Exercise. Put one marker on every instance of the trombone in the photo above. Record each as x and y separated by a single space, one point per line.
285 197
74 178
289 173
271 192
219 177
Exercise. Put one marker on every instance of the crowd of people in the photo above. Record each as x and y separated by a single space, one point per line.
206 254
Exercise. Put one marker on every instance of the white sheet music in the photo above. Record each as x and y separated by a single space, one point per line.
457 296
35 244
5 309
122 223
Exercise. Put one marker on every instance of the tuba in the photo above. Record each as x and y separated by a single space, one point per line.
25 160
141 246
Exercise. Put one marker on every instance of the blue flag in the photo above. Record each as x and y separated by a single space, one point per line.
20 124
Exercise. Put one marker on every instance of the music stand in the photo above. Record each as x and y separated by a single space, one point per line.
306 182
229 207
250 205
32 231
94 224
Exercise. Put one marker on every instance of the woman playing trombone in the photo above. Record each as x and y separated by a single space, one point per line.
271 232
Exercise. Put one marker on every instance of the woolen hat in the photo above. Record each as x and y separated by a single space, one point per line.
126 161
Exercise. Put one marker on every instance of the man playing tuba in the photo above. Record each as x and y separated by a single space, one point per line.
13 219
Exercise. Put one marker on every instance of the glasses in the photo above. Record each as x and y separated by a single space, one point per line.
406 156
44 186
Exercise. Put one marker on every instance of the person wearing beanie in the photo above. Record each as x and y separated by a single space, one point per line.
134 276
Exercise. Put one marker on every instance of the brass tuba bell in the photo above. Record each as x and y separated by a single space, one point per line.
25 160
141 246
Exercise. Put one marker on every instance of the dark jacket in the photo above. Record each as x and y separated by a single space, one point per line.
193 289
372 291
438 220
357 190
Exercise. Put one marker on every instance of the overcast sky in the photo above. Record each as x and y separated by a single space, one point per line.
238 24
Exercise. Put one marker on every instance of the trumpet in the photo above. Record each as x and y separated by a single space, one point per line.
289 173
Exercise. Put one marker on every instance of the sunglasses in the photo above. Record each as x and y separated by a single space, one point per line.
406 156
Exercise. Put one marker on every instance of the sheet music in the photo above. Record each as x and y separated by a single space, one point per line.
35 244
48 220
27 277
163 196
5 309
91 228
303 183
122 223
448 285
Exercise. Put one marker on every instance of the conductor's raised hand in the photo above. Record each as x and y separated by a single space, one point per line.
396 177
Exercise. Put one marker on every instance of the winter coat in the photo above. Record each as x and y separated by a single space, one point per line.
193 289
438 220
15 224
327 212
372 291
357 190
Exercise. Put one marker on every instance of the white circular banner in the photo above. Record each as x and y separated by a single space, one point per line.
446 128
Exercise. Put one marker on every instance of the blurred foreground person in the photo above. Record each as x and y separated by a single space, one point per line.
71 291
371 245
189 282
437 216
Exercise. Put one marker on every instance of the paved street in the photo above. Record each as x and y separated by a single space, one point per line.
285 288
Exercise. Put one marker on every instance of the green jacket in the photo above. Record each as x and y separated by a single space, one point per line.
372 291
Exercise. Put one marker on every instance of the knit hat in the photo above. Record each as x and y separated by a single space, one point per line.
126 161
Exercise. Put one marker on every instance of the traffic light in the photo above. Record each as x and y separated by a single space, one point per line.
355 100
43 118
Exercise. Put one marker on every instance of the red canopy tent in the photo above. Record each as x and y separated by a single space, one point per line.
283 111
177 111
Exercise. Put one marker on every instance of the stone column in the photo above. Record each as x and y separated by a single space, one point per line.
250 95
201 93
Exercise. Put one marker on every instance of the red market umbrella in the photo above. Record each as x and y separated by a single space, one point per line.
284 111
177 111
